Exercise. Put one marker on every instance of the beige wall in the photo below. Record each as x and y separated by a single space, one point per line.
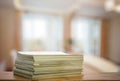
6 32
113 38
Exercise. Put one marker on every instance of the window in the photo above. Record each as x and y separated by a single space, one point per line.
42 32
86 35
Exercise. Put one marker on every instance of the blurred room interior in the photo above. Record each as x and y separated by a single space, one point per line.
88 27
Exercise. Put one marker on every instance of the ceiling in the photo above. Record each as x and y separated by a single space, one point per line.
61 6
79 7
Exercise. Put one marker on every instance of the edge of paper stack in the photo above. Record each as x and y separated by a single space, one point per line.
43 65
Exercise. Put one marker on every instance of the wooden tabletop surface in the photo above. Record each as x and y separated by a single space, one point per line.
89 74
8 76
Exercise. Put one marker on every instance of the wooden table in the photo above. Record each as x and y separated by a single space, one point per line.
8 76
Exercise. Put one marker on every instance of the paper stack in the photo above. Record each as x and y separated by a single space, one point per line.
42 65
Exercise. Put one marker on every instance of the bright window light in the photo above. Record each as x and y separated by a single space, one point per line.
42 32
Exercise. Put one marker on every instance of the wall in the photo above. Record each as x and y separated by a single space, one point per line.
113 39
104 30
67 31
6 33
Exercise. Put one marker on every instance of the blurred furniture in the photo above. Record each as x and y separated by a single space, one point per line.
100 64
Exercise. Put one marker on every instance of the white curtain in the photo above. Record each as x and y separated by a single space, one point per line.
86 35
42 32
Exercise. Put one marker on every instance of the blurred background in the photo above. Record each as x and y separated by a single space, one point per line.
88 27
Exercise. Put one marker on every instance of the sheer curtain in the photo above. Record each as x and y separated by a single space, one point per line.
42 32
86 35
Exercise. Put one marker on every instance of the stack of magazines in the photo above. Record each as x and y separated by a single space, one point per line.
42 65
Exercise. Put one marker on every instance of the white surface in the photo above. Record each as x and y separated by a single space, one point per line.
42 53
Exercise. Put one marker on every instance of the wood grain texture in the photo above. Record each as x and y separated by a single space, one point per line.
86 77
